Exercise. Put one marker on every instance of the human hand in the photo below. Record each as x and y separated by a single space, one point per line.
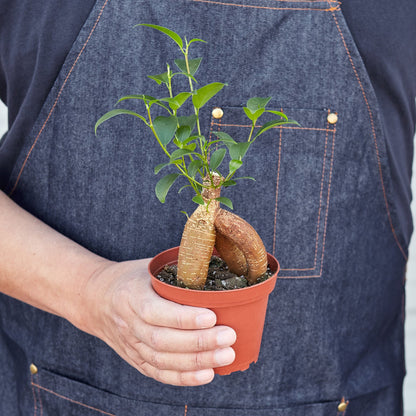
171 343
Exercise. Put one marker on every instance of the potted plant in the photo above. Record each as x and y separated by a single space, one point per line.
194 158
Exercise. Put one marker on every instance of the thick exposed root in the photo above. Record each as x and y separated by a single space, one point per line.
245 237
237 242
196 247
198 240
231 254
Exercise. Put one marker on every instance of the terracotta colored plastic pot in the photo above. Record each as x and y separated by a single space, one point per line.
244 310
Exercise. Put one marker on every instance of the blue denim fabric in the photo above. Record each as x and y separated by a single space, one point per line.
321 202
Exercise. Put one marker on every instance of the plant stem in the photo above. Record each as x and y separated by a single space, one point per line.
154 131
169 81
253 125
191 88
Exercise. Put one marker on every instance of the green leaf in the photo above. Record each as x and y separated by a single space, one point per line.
196 137
245 177
183 132
278 113
193 65
204 94
194 166
183 187
253 116
234 165
216 158
117 112
229 183
165 128
147 99
163 186
189 121
184 212
176 102
185 75
238 150
273 123
192 138
181 98
226 201
198 200
256 103
143 97
190 147
179 153
160 78
224 137
197 40
177 143
173 35
159 167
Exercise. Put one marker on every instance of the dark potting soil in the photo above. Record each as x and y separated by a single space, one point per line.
219 277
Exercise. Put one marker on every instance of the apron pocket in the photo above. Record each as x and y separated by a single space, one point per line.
289 201
54 394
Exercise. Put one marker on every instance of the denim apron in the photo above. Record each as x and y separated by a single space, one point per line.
333 338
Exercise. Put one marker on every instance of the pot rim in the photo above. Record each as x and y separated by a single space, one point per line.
197 297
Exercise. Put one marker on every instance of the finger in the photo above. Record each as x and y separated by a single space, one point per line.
186 361
155 310
177 340
176 378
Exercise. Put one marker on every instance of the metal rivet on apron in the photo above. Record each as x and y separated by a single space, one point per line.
33 368
332 118
217 112
342 407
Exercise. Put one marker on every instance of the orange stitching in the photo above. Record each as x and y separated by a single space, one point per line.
320 205
298 277
277 191
57 99
72 401
211 128
327 202
186 410
276 127
40 398
326 217
210 135
374 136
265 7
219 124
300 270
327 130
277 188
35 407
322 186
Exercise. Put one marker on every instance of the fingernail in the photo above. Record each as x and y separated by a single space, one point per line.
204 376
206 320
224 356
226 337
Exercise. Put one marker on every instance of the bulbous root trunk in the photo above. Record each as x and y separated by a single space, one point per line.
196 247
231 254
245 238
236 241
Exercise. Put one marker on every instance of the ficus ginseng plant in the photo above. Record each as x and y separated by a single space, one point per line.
188 150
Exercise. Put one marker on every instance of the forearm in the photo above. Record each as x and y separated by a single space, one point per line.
40 266
169 342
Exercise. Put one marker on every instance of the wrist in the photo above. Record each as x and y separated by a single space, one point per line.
88 295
